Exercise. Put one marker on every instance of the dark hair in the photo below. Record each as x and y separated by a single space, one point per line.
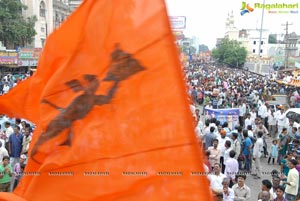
280 188
294 162
207 122
212 129
235 135
249 127
225 124
241 175
18 121
215 140
239 129
259 134
17 127
245 133
232 154
228 143
267 183
23 166
274 172
5 157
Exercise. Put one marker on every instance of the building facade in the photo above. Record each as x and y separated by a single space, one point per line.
49 13
249 38
74 4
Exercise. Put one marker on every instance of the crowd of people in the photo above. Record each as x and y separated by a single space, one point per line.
15 137
8 81
235 153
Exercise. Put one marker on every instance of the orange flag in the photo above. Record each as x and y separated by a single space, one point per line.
111 109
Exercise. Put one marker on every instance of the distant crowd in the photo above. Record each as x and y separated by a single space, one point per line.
233 153
8 81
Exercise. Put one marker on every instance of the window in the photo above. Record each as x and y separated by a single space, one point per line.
261 51
254 42
42 29
43 41
42 9
253 51
262 42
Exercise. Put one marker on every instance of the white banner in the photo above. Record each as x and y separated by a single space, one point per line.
177 22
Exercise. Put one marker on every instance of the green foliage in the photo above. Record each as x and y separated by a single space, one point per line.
188 49
15 30
230 52
203 48
272 39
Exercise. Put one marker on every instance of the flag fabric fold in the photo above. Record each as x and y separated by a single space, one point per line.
111 110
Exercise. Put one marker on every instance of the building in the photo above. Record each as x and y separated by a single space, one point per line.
249 38
190 44
49 13
74 4
231 32
61 11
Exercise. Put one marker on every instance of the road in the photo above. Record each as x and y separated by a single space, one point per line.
255 184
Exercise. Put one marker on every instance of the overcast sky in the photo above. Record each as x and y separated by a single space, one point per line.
206 19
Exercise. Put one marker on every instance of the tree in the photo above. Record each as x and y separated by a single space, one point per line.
230 52
15 30
203 48
272 39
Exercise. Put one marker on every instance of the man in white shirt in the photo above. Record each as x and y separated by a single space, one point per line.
275 183
241 190
272 122
236 145
222 139
216 180
242 110
253 116
281 120
292 182
248 121
258 148
3 152
8 131
231 168
263 112
228 193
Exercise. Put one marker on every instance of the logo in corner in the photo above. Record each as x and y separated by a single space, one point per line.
246 8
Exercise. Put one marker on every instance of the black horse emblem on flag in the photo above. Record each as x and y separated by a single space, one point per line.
122 66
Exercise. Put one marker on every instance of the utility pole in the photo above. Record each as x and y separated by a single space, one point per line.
259 65
286 50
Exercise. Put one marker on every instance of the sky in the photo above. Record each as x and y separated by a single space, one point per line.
206 19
